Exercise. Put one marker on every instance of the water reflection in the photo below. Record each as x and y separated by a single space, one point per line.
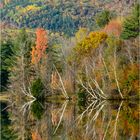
67 120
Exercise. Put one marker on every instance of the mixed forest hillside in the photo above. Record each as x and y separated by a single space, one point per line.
64 16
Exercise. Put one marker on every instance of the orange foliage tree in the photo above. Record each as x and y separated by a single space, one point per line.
114 27
39 51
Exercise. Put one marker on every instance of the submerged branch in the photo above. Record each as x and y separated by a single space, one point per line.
80 116
107 128
98 111
27 105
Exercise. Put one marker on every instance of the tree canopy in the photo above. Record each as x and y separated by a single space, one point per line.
131 26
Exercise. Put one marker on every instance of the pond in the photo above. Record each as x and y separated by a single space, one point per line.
70 120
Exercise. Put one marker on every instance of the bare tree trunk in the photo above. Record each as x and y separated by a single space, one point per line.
129 52
115 73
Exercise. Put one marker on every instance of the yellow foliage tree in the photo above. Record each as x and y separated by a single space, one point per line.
81 34
93 40
32 8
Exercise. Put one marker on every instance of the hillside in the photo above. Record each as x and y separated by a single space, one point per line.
55 16
64 16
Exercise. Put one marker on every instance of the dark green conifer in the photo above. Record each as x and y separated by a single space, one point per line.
131 25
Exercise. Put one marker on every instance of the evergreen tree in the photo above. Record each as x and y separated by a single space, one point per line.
104 17
131 24
20 69
6 53
6 132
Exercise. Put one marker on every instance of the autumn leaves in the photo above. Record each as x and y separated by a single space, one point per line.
96 60
39 51
93 40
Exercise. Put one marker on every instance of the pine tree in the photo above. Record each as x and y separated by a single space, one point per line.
131 25
104 17
6 53
20 70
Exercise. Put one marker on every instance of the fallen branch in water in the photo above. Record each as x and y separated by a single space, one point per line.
107 128
27 105
98 111
80 116
92 108
89 123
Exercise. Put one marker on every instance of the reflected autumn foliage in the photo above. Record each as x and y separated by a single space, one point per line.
36 136
105 120
55 117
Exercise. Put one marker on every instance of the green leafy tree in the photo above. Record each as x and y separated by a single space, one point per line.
131 24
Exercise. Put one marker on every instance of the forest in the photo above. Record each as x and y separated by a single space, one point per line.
66 17
68 52
63 16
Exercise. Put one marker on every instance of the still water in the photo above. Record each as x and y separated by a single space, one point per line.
70 120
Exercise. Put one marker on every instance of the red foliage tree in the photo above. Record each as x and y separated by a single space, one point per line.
39 51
